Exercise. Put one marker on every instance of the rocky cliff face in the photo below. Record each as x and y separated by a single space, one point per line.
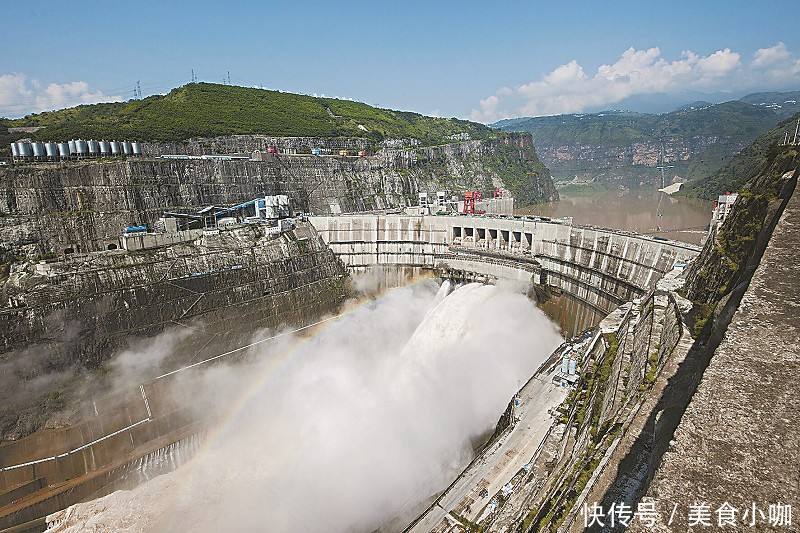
83 206
620 148
729 258
744 410
635 164
62 321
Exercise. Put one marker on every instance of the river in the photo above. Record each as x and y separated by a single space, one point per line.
679 218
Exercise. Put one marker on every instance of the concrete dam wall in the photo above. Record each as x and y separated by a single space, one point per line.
598 269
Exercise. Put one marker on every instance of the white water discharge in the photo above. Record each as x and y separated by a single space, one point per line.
354 429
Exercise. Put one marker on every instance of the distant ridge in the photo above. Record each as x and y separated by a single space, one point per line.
785 104
623 148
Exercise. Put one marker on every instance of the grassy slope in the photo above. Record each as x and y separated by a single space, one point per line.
743 166
207 110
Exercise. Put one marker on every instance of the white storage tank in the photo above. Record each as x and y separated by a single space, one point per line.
94 148
572 365
271 207
38 150
51 149
63 150
14 151
284 208
565 365
137 148
25 150
105 148
116 148
73 148
81 148
127 148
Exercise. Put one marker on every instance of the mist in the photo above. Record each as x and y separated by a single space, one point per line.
355 428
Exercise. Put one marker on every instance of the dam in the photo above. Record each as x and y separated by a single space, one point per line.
590 271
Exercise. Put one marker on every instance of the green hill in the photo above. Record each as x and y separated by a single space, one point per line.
785 104
208 110
746 164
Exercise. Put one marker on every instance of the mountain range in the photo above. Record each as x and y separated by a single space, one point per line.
624 149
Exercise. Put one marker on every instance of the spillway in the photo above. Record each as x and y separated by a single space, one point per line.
356 428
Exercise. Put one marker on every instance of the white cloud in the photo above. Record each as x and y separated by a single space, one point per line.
488 109
20 95
770 56
776 65
570 89
720 63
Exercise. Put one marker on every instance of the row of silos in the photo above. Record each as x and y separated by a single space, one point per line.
273 207
74 149
568 366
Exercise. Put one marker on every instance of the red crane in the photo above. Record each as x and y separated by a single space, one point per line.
470 200
469 203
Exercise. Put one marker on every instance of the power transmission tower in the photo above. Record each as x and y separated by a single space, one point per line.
663 166
194 78
229 77
138 90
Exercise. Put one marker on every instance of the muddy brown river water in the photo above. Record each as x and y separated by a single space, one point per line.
679 218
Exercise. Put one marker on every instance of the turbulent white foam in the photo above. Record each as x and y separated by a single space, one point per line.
358 426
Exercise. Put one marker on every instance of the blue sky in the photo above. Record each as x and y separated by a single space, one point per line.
483 60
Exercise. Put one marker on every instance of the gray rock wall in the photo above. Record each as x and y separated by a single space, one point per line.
62 320
83 206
